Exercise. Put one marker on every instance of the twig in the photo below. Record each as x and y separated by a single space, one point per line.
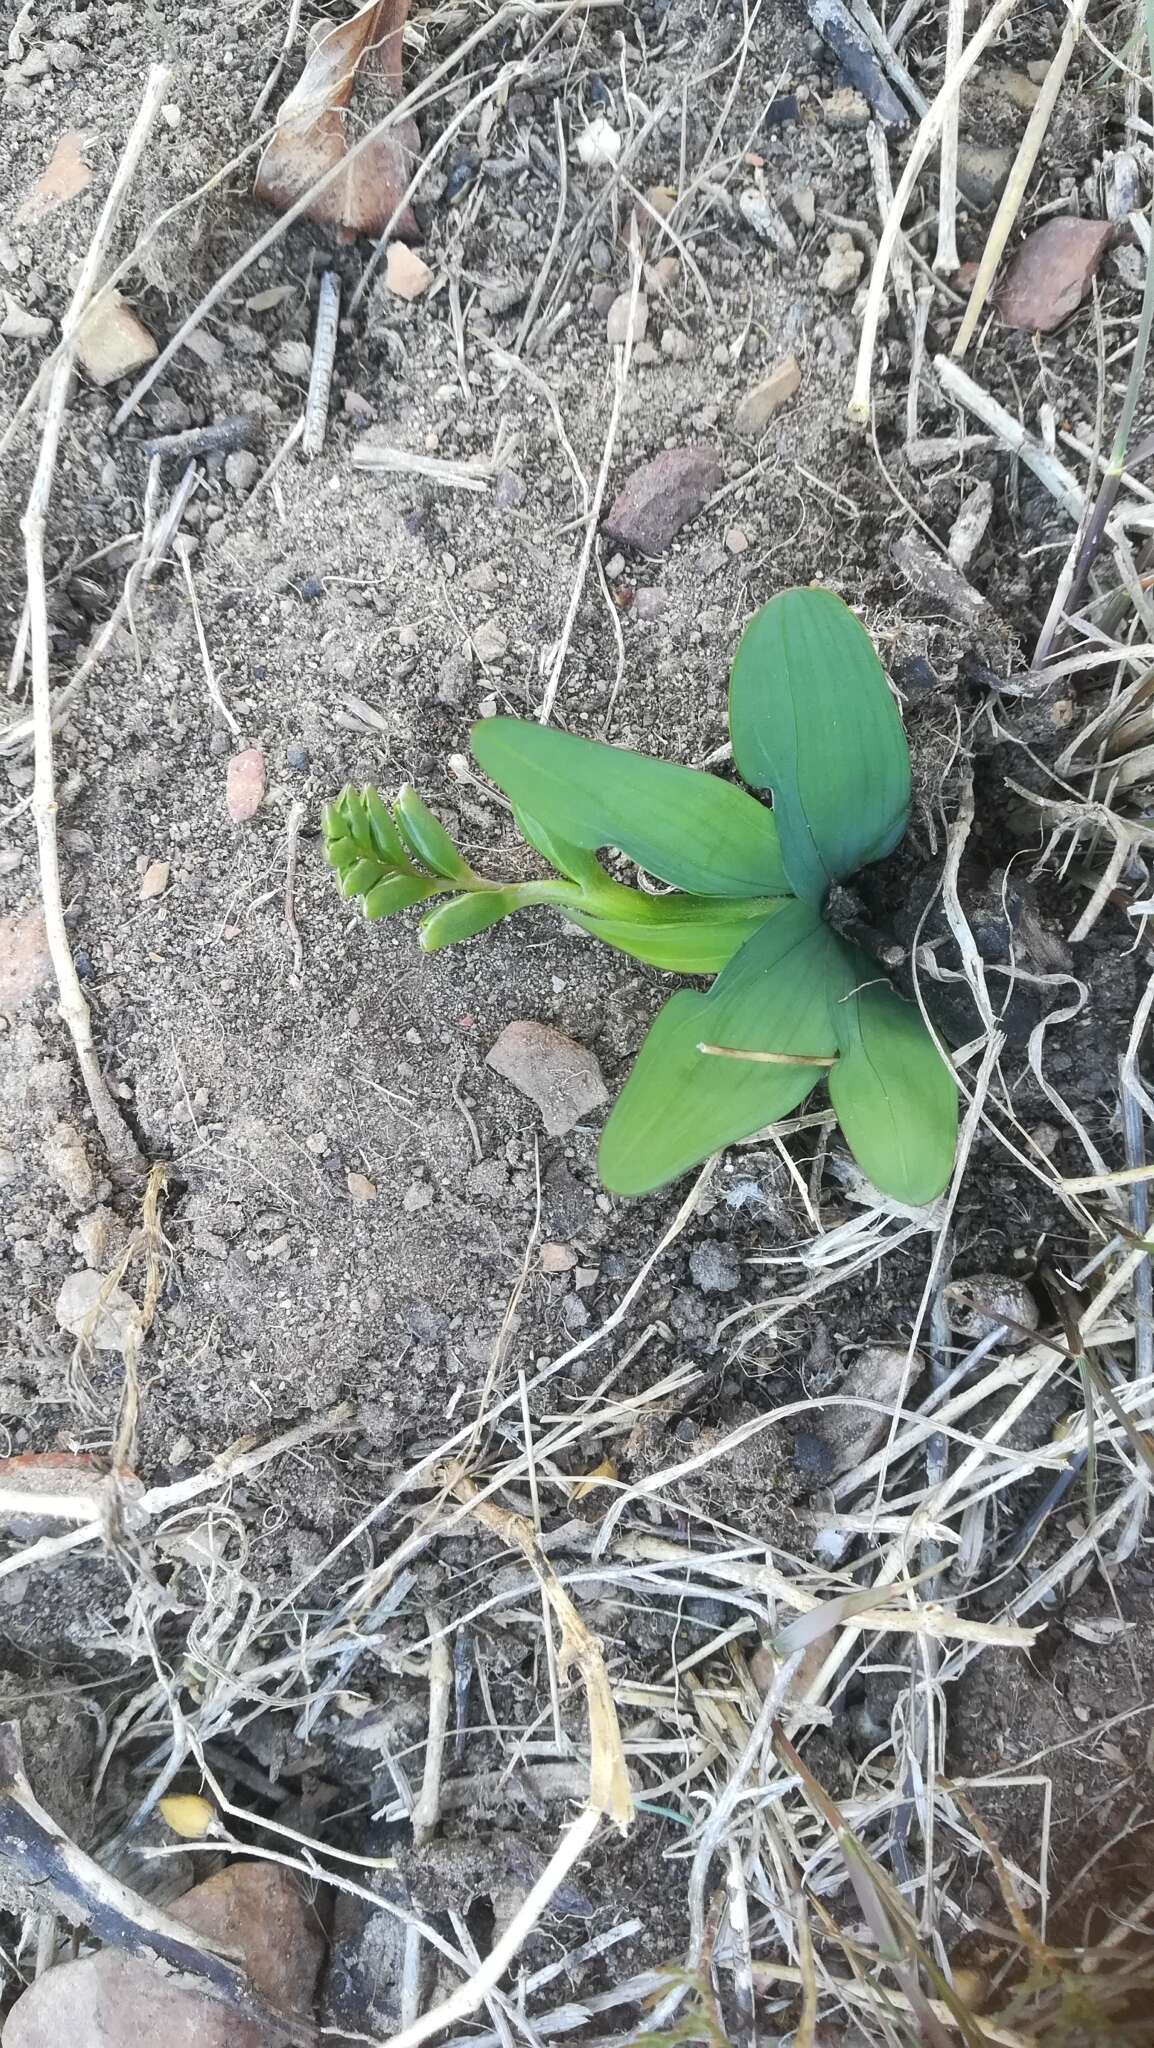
1015 187
879 154
850 41
218 439
118 1141
427 1811
202 643
1059 481
293 834
270 84
321 373
946 256
621 377
923 142
539 283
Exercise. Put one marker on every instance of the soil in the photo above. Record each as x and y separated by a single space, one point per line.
338 612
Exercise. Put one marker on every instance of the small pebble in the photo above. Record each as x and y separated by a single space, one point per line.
557 1258
679 347
618 325
244 787
241 470
154 880
489 642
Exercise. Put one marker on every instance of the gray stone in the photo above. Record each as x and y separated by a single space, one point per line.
241 469
560 1076
714 1267
982 172
508 492
843 266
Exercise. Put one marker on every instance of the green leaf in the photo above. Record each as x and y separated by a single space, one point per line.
385 837
575 862
462 917
686 827
895 1097
426 838
680 1104
683 934
396 892
813 718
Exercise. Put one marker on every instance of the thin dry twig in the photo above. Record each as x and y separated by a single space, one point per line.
122 1150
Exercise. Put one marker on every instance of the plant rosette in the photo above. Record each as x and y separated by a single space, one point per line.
794 1003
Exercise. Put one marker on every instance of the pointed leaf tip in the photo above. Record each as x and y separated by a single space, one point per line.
690 829
813 718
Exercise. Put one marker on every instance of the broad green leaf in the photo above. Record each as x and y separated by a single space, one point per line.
426 838
813 718
683 934
462 917
896 1099
688 828
680 1104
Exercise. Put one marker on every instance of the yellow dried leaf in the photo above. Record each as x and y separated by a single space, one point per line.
188 1815
592 1480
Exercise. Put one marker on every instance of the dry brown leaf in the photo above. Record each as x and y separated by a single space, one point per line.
64 177
609 1790
314 129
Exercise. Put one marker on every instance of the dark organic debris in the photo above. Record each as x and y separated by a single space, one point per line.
850 46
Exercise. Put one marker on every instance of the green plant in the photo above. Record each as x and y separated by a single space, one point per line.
812 719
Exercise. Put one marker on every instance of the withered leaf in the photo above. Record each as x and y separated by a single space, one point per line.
315 129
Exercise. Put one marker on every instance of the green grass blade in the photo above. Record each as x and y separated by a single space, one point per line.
896 1099
812 717
679 1104
688 828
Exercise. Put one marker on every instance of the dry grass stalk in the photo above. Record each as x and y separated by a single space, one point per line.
1019 178
609 1791
924 142
119 1144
